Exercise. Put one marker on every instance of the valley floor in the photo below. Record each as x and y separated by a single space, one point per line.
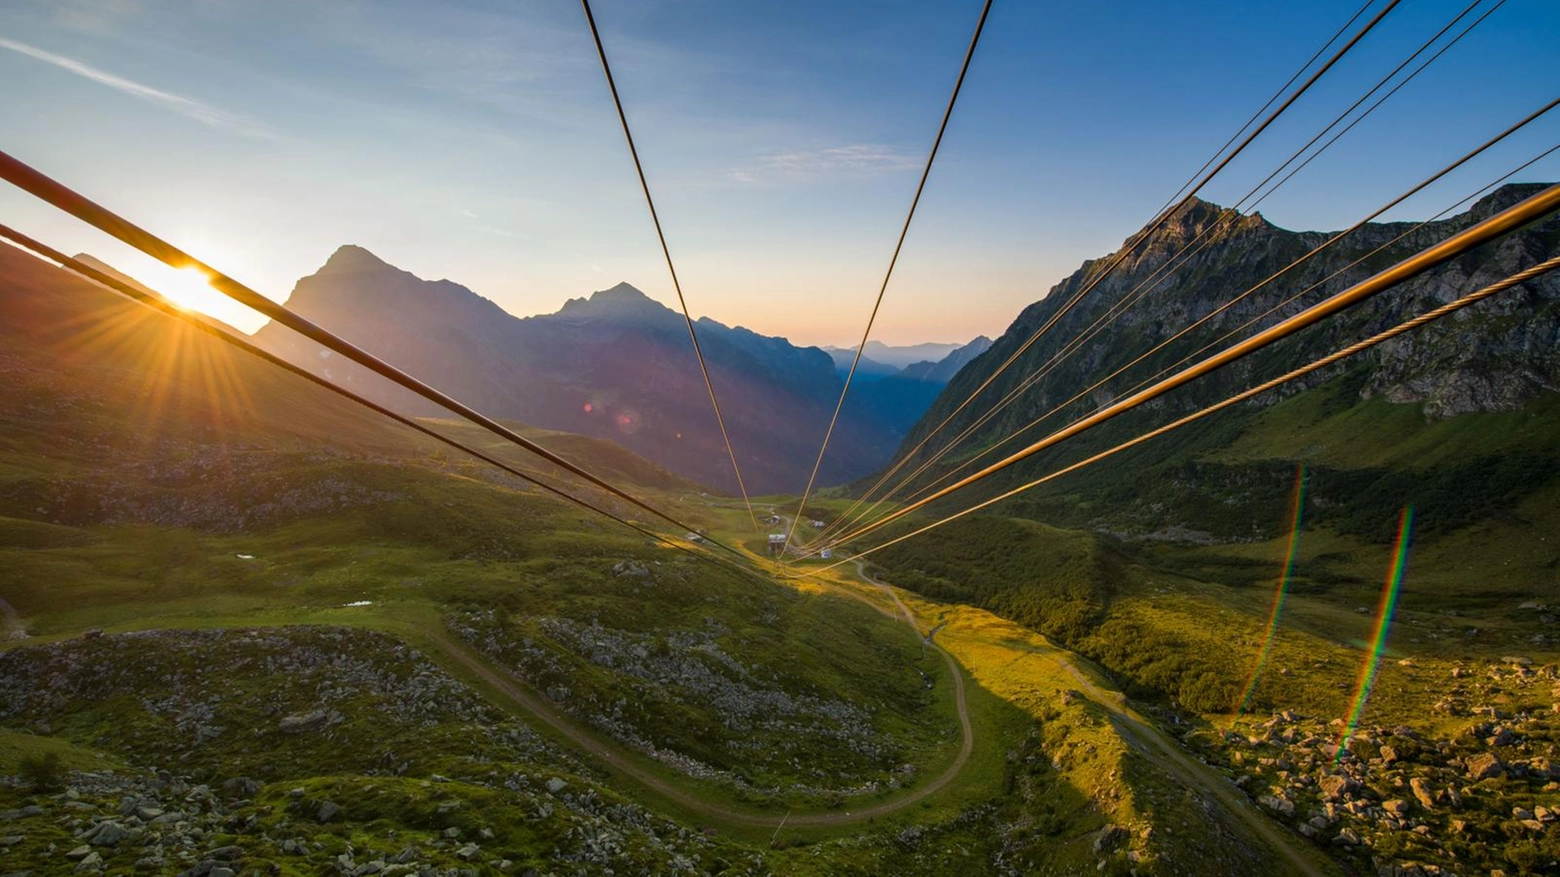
1090 743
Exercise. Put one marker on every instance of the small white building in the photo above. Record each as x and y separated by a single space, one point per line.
776 543
827 554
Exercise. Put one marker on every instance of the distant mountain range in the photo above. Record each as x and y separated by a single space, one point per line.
895 356
617 365
895 398
939 363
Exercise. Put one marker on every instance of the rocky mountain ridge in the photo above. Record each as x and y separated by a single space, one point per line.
617 365
1500 355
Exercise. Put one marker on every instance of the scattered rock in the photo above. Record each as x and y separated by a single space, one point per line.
1484 766
1278 804
556 785
328 811
304 722
241 787
1336 787
1108 837
107 833
630 568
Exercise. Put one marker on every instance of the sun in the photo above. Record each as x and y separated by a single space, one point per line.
190 288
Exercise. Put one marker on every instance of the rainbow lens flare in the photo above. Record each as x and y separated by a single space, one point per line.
1389 596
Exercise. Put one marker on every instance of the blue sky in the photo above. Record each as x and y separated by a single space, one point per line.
476 141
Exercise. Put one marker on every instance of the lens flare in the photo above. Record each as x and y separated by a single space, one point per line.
1279 594
1389 596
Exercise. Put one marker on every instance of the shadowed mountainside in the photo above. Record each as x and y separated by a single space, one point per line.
617 365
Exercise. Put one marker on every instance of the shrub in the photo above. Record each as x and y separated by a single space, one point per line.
43 773
1208 692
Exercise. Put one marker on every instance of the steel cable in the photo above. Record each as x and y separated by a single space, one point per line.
655 218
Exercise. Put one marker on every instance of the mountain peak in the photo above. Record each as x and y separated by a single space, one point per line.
353 258
1502 198
618 303
623 292
1192 219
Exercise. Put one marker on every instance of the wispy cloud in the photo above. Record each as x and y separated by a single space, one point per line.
497 231
809 164
186 106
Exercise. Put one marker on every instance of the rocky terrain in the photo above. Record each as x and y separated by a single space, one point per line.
764 735
204 486
1473 789
224 734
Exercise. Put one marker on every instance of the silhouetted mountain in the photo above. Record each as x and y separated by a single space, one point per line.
617 364
896 401
114 413
896 356
942 371
867 370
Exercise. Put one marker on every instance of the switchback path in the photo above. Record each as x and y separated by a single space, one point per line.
613 754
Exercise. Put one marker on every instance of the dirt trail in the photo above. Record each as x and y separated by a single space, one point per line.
1143 735
688 798
1133 727
1140 733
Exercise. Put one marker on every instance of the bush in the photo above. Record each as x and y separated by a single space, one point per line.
1208 693
43 773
